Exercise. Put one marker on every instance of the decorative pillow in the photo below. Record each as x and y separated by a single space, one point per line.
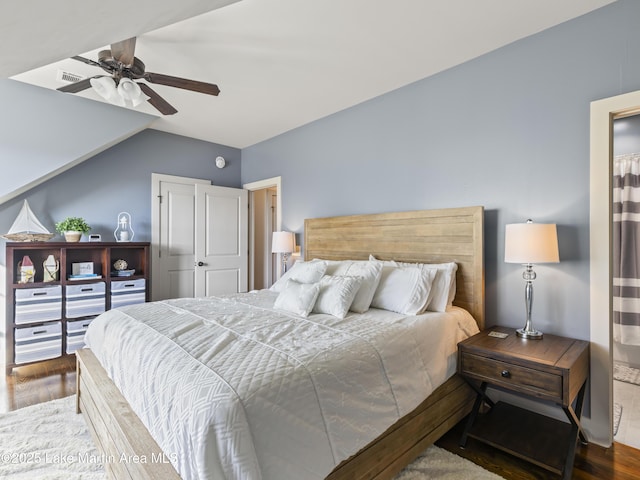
386 263
336 295
453 267
298 298
443 289
403 289
369 273
334 265
303 272
444 284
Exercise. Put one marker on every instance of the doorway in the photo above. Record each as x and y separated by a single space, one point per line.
626 288
265 217
603 113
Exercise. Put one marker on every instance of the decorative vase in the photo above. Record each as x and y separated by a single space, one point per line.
72 236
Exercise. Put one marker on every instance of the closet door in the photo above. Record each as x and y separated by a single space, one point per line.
173 236
221 240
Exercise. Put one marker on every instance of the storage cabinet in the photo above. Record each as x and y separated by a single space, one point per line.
47 320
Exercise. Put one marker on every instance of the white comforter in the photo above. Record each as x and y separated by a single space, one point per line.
230 388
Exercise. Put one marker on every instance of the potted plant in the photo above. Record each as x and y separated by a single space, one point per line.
73 228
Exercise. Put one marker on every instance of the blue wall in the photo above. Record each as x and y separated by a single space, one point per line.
44 132
509 130
119 179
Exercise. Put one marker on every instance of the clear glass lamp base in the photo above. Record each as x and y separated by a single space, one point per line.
528 331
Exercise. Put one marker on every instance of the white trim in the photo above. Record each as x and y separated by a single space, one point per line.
600 425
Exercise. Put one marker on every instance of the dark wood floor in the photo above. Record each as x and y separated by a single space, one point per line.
55 379
38 383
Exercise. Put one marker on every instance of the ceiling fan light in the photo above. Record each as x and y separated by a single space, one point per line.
130 91
106 88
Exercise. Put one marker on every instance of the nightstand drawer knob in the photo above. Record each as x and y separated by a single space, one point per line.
505 373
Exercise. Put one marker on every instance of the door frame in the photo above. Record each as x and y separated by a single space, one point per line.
274 182
603 113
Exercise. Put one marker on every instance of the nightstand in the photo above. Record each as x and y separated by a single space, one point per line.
553 369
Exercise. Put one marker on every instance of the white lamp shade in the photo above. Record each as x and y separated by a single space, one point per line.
130 91
282 242
531 243
106 88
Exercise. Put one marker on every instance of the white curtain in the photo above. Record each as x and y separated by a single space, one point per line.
626 249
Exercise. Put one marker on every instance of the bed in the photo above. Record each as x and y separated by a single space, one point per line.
422 237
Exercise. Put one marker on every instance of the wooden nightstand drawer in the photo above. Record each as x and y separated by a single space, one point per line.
514 377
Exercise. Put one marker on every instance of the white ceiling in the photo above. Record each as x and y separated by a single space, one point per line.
279 63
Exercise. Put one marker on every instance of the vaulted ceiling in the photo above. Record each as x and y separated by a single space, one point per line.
279 63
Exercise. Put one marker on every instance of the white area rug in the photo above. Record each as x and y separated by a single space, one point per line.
626 374
47 441
50 442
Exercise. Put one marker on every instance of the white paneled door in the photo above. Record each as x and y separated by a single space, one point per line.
211 230
221 240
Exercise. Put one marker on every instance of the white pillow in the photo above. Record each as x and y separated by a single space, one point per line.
333 265
369 272
444 284
297 297
443 289
336 295
302 272
386 263
403 289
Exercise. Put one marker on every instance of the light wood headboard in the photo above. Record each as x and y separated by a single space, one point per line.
422 236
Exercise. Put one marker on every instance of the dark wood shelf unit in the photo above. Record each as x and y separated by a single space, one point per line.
102 254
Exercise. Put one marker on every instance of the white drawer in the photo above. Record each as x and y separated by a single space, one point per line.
85 290
37 294
38 343
78 327
75 333
75 343
128 292
128 285
85 300
38 304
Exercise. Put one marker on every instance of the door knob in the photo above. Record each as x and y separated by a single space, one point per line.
200 264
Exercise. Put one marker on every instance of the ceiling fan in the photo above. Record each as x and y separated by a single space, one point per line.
122 85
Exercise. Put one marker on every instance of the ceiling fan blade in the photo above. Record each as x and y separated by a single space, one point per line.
87 61
193 85
77 86
157 101
123 51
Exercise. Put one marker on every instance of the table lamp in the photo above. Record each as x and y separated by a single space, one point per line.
529 243
283 243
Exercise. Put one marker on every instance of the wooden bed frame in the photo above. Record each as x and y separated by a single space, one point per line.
425 236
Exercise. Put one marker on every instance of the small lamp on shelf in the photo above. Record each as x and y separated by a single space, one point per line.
283 243
529 243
